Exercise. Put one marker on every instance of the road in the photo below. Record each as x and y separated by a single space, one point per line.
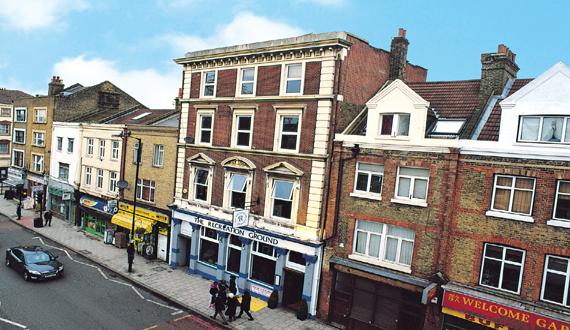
86 297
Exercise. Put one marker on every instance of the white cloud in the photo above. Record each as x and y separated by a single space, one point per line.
152 88
326 2
33 14
245 28
167 4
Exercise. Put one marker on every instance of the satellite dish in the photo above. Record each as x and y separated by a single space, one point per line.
122 184
189 139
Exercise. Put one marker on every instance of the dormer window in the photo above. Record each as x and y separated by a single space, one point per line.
447 127
544 129
395 124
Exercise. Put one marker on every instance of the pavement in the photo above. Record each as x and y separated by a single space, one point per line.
189 291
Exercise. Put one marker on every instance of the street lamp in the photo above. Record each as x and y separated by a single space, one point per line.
125 136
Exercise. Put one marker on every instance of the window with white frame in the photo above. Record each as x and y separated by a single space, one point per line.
263 261
295 260
247 82
502 267
115 150
293 78
136 150
234 254
289 129
39 139
394 124
90 147
38 163
513 194
4 147
243 124
4 129
112 182
236 190
70 142
556 281
205 125
20 115
384 242
209 83
5 112
99 179
158 159
368 178
412 183
88 170
59 143
547 129
208 246
201 182
562 202
101 149
63 171
19 135
282 199
40 115
146 190
18 158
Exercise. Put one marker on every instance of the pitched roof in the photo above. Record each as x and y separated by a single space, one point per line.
142 116
7 96
450 99
490 131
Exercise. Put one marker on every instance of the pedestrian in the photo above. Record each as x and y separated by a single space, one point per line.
222 293
19 212
233 287
220 306
131 255
213 292
47 217
245 305
232 305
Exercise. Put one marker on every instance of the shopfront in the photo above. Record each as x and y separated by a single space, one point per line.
465 308
60 200
367 297
16 177
261 261
152 230
96 215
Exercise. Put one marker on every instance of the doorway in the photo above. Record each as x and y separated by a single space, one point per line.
292 288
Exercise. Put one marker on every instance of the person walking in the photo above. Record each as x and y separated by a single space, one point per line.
222 293
213 293
245 305
131 255
233 286
220 306
47 217
232 305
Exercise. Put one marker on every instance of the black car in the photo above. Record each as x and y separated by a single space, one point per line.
33 262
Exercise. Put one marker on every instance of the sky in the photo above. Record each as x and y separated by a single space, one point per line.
133 43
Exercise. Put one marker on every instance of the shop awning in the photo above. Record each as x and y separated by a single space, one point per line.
126 221
13 182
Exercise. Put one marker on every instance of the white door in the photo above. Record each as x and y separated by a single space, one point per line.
162 245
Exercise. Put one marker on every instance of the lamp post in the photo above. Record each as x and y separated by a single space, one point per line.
125 136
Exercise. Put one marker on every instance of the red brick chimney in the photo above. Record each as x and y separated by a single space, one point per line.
496 70
398 56
56 86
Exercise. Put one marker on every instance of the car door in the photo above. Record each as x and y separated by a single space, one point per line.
18 260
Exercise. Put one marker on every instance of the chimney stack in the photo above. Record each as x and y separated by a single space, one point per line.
496 70
398 56
56 86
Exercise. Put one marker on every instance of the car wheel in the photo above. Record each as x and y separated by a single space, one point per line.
7 262
26 276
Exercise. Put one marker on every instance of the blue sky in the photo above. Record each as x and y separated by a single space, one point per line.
133 43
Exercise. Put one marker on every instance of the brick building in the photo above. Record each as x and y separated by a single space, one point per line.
7 98
254 153
410 218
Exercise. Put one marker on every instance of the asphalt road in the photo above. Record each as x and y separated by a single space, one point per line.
86 297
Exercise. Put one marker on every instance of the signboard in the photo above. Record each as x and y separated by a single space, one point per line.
66 196
128 209
260 290
241 218
113 205
15 173
37 188
95 204
37 180
497 316
429 293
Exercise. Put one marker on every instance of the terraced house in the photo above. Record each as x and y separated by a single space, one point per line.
254 153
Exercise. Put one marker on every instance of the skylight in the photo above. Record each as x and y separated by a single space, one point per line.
141 116
448 126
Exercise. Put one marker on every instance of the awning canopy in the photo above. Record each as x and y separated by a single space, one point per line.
95 211
13 182
126 221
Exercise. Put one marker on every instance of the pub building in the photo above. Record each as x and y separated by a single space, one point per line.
262 261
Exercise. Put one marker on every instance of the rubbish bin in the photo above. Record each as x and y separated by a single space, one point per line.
38 223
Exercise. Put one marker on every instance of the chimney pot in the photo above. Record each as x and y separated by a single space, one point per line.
402 33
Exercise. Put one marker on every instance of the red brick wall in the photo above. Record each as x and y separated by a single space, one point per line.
268 78
415 73
227 80
312 78
195 85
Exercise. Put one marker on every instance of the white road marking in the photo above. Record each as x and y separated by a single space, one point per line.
14 323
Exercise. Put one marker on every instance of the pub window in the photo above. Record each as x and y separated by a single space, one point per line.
208 246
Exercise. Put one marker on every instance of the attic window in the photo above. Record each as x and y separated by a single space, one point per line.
448 126
141 116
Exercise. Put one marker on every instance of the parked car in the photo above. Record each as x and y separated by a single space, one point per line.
33 262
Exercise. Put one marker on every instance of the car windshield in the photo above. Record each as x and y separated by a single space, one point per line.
37 257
